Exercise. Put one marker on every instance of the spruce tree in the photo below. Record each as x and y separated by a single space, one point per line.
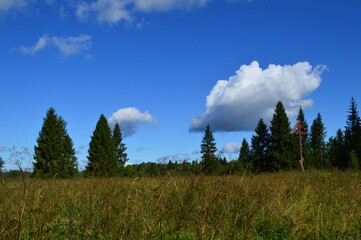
260 143
282 149
245 156
102 160
208 149
317 139
120 147
54 153
353 131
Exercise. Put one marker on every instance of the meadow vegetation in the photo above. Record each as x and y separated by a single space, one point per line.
284 205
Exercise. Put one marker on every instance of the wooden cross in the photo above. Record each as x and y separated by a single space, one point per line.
299 130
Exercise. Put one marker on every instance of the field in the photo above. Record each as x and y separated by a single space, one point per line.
288 205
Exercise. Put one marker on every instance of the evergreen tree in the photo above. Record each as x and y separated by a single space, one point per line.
120 147
317 138
260 143
306 146
2 163
102 160
282 150
54 153
353 131
245 155
208 149
337 151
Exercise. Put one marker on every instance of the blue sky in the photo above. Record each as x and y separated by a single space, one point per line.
156 65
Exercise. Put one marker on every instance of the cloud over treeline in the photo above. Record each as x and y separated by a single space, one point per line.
232 147
130 119
238 103
68 46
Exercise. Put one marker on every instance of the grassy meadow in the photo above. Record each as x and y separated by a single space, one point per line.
286 205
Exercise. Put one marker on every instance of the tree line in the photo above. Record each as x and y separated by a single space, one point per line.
271 149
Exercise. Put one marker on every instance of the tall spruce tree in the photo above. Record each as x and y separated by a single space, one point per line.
120 147
353 131
208 150
245 155
317 139
54 153
102 160
282 149
260 143
306 146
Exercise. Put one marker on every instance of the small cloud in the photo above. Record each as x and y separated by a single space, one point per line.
232 147
196 152
80 148
68 46
238 103
109 11
3 148
163 159
140 149
114 11
130 119
6 5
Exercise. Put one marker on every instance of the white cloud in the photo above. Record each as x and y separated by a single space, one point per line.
6 5
167 5
68 46
238 103
130 119
110 11
114 11
232 147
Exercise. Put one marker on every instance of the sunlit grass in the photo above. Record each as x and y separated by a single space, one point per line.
289 205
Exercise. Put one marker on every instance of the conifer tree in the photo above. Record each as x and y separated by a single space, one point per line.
120 147
54 153
102 160
353 130
260 143
245 156
317 139
282 149
337 151
208 150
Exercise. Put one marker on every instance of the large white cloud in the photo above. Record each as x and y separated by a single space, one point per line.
130 119
68 46
6 5
238 103
114 11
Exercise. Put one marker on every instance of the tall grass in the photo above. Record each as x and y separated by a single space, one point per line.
289 205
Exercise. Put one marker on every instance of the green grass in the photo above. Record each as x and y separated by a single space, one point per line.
289 205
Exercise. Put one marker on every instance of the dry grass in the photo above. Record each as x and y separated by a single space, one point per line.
317 205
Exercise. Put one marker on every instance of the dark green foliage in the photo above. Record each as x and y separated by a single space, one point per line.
336 151
208 150
317 139
245 155
353 130
120 147
282 150
54 154
102 160
260 143
1 164
306 145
